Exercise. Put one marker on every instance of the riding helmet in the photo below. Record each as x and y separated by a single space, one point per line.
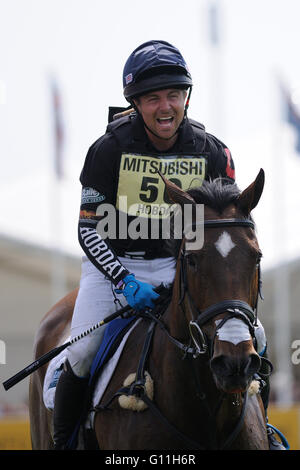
154 65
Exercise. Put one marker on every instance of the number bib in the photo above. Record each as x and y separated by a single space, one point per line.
141 191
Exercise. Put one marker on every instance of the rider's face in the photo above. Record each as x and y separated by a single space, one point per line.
162 112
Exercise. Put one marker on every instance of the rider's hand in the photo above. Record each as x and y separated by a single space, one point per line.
139 295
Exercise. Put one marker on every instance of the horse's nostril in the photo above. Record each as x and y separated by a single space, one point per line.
217 364
225 366
253 365
228 366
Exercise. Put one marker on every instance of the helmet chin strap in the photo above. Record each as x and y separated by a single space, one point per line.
177 130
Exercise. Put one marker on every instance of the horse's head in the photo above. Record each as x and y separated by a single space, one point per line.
219 282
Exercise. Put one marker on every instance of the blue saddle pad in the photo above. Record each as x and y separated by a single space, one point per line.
112 337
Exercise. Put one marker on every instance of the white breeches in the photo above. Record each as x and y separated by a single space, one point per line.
95 301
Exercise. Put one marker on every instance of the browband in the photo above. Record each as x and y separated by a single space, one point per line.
229 222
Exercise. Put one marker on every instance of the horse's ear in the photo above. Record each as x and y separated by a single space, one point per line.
176 194
249 198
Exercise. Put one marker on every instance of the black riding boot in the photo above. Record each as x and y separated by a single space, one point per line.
274 444
69 398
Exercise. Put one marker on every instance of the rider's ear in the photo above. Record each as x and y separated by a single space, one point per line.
249 198
176 194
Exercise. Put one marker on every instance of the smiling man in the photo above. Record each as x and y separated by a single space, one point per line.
121 169
163 112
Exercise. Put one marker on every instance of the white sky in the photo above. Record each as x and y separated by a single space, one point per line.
84 45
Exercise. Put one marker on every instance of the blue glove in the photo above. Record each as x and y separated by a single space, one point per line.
139 295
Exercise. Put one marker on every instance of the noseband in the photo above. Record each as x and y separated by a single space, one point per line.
234 308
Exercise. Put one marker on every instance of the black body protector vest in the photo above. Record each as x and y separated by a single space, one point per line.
138 177
141 199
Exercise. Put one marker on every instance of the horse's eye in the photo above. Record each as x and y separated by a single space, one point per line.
259 257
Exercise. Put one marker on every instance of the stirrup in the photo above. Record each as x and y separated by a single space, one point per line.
272 430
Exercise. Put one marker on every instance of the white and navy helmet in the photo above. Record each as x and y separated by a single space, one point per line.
154 65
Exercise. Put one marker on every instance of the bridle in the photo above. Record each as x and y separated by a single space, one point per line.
234 308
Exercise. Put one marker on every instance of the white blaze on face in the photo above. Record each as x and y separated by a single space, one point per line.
224 244
234 331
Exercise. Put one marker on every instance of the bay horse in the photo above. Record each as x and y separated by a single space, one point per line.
200 353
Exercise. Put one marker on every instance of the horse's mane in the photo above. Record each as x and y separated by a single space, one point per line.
216 194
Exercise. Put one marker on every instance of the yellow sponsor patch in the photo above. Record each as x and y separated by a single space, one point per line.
145 192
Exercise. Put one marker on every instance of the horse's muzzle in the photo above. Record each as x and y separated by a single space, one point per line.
234 374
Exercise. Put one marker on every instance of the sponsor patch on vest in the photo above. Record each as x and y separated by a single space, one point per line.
140 182
90 195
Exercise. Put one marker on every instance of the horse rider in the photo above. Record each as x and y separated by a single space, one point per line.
120 176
